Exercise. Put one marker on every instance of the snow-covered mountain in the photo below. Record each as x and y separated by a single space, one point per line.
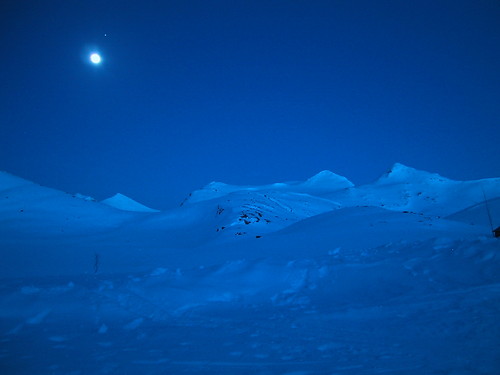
34 217
313 277
28 209
405 188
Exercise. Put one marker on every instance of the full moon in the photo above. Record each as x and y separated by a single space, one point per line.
95 58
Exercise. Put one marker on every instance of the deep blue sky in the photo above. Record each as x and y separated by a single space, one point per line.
245 92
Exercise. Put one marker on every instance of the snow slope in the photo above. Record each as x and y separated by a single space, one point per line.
30 209
125 203
401 276
480 214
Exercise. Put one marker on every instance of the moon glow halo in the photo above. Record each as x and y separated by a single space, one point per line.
95 58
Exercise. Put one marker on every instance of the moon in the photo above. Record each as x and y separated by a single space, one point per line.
95 58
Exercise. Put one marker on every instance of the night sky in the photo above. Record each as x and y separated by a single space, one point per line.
245 92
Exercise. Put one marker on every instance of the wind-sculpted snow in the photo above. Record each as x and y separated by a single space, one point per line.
409 307
318 277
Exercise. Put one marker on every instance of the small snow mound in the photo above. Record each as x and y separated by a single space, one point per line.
219 187
328 179
125 203
400 173
212 190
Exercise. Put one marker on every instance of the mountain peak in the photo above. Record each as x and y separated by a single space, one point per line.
326 179
400 173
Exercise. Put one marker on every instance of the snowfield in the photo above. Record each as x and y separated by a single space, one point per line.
401 276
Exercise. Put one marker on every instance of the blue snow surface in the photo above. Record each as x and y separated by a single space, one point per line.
401 276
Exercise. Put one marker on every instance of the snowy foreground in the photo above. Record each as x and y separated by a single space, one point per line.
401 276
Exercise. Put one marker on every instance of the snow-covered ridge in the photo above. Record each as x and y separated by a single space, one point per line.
322 183
225 213
407 189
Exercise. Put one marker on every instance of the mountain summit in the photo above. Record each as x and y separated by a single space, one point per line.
400 173
327 181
